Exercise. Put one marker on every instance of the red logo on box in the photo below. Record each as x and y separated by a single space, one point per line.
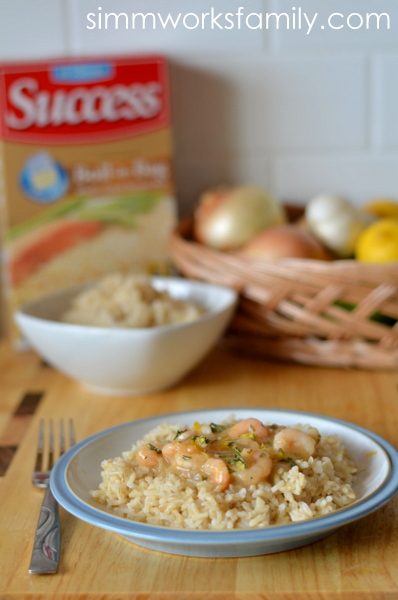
83 101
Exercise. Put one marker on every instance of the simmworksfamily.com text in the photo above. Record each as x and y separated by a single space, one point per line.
295 19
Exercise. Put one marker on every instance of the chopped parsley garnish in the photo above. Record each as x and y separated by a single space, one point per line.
235 445
157 450
288 459
216 427
237 459
179 432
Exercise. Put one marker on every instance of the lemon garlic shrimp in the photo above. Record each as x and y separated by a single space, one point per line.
185 456
295 443
150 457
242 453
250 428
217 471
258 467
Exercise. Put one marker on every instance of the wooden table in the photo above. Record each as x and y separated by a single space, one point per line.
360 561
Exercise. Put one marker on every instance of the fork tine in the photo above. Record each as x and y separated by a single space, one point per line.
61 437
40 447
46 446
50 445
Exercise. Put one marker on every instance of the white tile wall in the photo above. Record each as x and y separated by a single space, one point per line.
361 176
291 104
33 30
294 110
385 120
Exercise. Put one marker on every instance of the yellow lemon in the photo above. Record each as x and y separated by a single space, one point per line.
382 208
378 243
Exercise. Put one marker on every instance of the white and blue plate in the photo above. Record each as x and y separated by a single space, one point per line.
78 472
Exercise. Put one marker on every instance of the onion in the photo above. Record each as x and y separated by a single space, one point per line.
227 218
285 241
336 223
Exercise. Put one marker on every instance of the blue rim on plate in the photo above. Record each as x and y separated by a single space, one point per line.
68 483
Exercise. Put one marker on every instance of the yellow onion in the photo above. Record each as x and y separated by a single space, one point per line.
227 218
285 241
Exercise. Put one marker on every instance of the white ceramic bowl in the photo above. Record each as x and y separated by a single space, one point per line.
128 361
79 470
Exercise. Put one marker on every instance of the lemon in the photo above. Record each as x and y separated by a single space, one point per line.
382 208
378 243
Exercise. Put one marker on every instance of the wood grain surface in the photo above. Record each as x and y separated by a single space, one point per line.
359 562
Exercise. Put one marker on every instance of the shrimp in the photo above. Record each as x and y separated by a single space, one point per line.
149 456
294 442
250 428
217 472
186 434
259 466
186 456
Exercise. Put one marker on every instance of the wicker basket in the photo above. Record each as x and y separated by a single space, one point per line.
339 313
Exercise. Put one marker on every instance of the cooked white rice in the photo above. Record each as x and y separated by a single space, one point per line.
295 492
119 300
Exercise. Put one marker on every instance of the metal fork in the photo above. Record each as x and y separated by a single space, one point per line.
46 546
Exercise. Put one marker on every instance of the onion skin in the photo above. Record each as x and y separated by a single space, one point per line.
285 241
336 223
227 218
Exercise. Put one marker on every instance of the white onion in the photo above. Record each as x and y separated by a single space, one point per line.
335 222
227 218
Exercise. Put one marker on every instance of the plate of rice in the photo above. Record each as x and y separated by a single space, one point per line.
227 482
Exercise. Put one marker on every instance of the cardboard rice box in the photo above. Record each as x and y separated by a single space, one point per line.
86 173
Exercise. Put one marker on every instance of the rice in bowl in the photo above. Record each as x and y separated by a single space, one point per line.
130 301
299 485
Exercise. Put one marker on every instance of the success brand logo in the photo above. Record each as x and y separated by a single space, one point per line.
40 107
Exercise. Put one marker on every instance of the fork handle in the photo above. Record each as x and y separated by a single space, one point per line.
45 555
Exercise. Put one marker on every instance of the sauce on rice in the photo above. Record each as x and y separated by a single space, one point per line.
231 475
